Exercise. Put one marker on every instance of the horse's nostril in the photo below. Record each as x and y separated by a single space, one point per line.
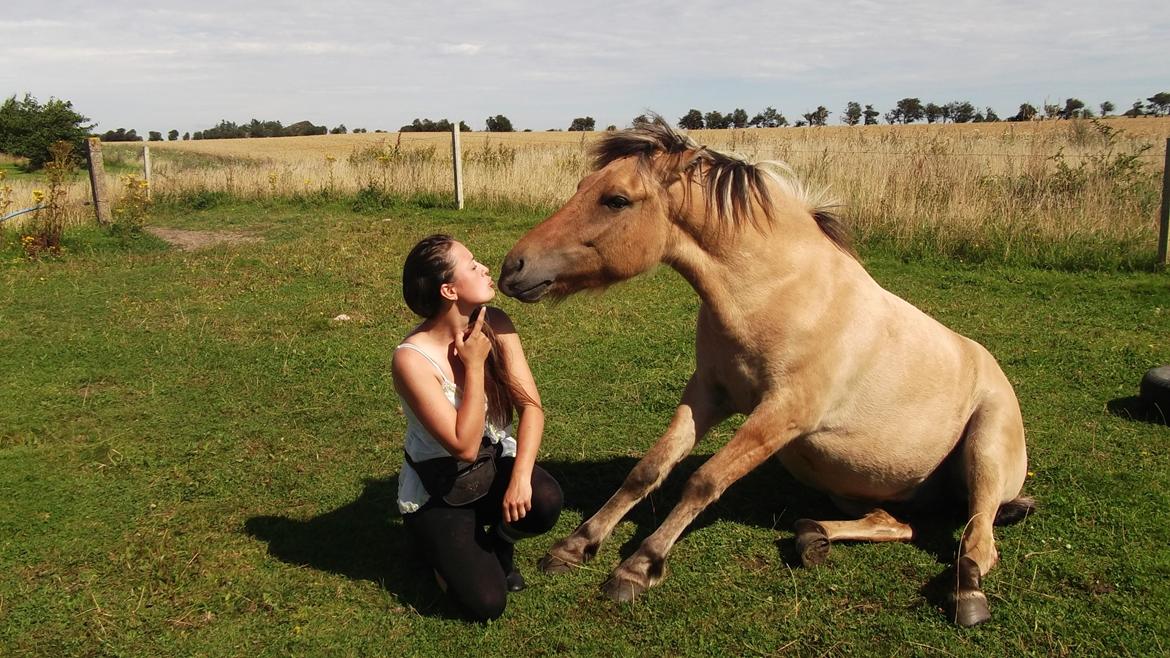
519 265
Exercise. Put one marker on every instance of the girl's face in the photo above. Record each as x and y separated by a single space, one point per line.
471 281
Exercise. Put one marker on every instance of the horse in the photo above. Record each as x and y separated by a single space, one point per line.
859 394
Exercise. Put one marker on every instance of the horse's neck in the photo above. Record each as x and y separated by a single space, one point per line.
744 274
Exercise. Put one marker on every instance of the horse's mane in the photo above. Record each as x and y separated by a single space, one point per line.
730 181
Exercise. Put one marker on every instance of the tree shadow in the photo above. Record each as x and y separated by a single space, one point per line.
1136 409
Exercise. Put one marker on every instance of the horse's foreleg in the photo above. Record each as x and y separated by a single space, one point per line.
694 416
767 430
994 464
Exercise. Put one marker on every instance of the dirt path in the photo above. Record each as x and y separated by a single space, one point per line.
191 240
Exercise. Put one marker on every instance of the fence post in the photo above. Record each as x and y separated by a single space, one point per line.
1164 217
97 180
457 158
146 171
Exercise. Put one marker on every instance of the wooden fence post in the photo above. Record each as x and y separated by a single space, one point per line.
1164 217
146 171
97 180
457 158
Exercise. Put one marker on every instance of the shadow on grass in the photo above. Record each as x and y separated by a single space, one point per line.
366 540
1136 409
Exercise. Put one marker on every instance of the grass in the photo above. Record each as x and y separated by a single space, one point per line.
197 460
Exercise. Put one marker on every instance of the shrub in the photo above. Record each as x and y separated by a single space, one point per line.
29 129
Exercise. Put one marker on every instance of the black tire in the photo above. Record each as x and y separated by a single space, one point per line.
1155 390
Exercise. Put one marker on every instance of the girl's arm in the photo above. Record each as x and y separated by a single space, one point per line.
458 431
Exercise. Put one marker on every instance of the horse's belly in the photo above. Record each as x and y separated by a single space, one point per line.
863 468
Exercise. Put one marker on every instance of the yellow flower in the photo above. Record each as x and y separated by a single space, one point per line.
38 196
330 159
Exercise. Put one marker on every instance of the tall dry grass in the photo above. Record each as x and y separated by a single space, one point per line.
963 189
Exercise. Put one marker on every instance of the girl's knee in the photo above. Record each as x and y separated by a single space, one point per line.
485 604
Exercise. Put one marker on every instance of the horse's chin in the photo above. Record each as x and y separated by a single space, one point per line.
529 295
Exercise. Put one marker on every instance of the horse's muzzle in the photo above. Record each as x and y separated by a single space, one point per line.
521 281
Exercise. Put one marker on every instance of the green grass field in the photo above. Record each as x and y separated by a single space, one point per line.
196 460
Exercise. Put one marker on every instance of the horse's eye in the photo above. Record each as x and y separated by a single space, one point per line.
617 202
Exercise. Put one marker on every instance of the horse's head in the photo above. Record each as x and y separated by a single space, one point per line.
615 227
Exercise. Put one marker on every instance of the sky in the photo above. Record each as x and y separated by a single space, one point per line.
379 64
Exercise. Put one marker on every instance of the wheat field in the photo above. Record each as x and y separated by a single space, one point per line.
1014 185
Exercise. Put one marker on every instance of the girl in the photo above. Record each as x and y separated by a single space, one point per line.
460 382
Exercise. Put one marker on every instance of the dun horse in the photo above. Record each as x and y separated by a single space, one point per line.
858 393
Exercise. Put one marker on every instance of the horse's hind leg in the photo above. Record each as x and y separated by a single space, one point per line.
695 415
993 465
814 537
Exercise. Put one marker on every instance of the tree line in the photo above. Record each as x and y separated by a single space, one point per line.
28 128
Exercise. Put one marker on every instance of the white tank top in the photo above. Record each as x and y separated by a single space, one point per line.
420 445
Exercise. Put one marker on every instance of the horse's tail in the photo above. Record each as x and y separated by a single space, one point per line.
1015 510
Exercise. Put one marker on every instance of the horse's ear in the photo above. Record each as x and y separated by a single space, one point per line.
676 166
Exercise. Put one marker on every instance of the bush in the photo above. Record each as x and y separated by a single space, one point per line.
28 129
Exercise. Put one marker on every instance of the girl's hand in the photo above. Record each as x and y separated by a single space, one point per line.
517 499
474 348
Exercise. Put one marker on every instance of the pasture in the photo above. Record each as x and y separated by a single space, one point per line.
198 460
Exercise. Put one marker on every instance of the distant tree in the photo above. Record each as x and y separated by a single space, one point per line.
769 118
933 113
1027 112
186 137
428 126
800 123
692 120
990 116
960 111
909 110
871 115
499 124
339 130
610 128
739 118
120 135
1135 111
173 136
817 117
1107 108
641 118
1072 108
28 129
852 115
154 136
715 119
582 124
1159 103
1051 111
197 135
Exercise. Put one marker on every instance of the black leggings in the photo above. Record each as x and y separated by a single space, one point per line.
464 544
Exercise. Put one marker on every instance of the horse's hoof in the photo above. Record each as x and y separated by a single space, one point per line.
622 590
969 600
971 609
551 564
812 543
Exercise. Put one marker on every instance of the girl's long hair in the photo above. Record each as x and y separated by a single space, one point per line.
429 266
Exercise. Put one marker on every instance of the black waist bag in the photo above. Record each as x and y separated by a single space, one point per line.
458 483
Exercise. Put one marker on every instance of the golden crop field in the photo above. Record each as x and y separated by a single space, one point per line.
1055 181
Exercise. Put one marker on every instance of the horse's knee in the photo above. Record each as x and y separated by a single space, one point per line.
642 477
700 489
